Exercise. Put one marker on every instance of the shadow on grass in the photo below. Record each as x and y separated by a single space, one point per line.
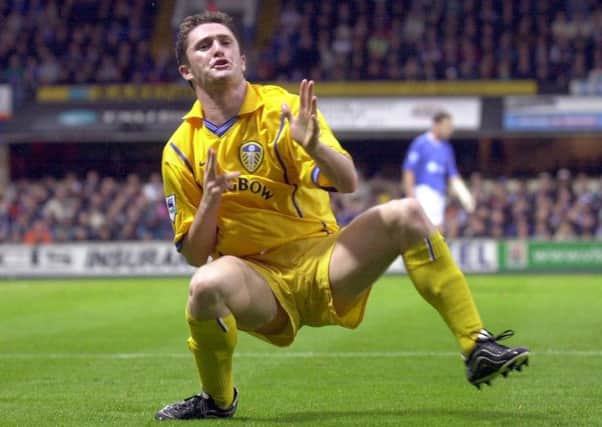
374 417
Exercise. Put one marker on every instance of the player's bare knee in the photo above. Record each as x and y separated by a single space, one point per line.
406 216
206 286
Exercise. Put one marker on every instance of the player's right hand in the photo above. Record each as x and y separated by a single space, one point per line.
214 184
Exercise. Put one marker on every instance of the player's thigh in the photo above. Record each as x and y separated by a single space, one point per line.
366 247
363 251
244 291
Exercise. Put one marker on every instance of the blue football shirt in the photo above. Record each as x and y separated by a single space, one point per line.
432 162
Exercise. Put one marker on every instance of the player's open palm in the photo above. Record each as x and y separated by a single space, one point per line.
304 126
214 183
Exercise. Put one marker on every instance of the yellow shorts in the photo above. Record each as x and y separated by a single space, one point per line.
297 272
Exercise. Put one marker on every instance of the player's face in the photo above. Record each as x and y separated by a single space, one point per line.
213 56
446 128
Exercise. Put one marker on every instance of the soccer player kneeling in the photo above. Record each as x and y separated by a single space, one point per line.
246 177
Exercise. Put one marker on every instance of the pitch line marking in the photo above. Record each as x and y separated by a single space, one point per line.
284 355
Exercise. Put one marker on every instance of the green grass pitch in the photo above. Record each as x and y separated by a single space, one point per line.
112 352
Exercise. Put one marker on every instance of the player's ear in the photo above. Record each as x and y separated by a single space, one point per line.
243 62
185 72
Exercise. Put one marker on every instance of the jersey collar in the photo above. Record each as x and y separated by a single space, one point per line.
432 138
250 104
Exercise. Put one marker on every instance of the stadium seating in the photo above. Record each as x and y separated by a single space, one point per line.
551 41
104 208
78 42
113 41
90 209
545 207
110 41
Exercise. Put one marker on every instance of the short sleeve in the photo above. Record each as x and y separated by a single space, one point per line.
182 195
412 158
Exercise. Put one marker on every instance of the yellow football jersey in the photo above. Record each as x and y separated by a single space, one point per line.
280 195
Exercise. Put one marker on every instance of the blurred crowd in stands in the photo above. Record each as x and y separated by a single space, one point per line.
551 41
93 208
559 207
551 208
113 41
78 42
109 41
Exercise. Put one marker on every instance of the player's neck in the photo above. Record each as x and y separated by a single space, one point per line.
434 137
223 103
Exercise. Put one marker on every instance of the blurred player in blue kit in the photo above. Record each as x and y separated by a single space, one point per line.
428 168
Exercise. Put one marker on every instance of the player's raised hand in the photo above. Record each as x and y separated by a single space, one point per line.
305 129
215 184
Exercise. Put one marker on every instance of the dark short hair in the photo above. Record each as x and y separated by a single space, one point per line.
191 22
440 116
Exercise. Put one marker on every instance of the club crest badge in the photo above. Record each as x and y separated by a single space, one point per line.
251 155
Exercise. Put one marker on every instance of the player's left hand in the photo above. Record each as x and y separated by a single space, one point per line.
305 128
